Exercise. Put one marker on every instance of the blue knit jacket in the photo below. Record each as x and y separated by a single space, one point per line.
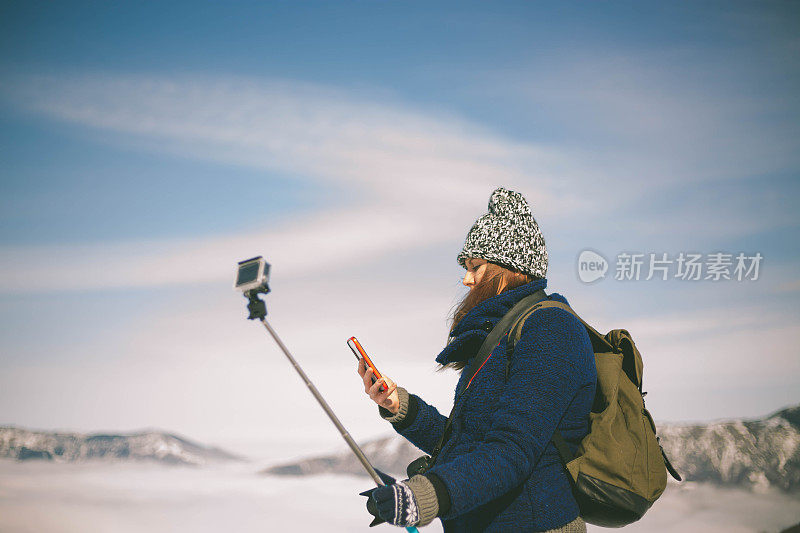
499 466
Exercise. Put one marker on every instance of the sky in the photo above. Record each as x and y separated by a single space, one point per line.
145 148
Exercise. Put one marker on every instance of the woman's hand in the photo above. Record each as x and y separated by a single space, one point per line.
389 399
395 504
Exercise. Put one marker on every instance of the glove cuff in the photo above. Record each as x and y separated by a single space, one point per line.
402 395
425 496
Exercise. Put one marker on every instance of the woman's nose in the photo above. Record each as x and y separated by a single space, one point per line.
469 279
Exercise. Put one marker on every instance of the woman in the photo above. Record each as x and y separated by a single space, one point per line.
499 469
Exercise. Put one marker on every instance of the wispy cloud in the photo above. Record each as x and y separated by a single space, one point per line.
313 131
414 176
410 174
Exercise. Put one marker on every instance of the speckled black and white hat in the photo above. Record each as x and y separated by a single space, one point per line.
507 235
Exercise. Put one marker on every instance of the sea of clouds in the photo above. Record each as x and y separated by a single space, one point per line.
128 498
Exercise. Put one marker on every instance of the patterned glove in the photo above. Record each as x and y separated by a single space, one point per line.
396 504
406 503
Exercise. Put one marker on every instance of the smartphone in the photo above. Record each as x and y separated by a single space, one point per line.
359 352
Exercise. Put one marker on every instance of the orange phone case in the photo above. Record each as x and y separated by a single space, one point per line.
359 352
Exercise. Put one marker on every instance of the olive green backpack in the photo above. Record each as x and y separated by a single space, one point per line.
620 469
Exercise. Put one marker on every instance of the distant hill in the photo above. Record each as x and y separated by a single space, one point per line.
389 454
756 454
25 445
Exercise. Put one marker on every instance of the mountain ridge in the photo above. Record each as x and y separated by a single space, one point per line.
72 447
758 454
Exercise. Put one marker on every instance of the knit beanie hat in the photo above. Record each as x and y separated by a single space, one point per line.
507 235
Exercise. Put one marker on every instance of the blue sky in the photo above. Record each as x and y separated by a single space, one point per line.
145 148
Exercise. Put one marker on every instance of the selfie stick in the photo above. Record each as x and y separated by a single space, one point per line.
258 309
345 435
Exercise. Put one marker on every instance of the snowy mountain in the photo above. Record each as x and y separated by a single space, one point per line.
756 454
388 454
23 444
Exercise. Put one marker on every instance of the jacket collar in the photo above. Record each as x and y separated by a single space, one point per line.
476 325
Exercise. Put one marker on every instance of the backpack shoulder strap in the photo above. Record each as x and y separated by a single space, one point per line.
562 449
503 326
599 343
484 352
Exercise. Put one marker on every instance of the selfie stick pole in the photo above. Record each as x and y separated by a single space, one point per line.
258 309
328 411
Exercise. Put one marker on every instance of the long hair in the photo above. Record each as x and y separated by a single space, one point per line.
496 280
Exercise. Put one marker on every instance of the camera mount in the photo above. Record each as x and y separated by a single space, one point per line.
255 305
